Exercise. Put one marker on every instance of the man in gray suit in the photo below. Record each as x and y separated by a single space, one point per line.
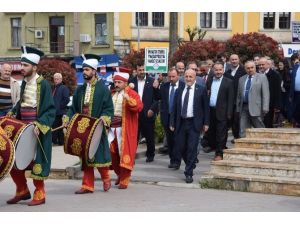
253 98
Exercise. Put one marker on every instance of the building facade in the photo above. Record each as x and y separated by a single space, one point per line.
153 27
57 34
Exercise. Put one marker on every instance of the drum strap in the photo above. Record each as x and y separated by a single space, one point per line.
116 121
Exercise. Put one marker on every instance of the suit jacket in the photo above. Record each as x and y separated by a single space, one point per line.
239 73
162 94
293 77
148 97
200 109
224 106
275 89
259 95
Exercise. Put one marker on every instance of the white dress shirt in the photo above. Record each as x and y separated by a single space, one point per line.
214 91
190 108
141 85
233 71
297 80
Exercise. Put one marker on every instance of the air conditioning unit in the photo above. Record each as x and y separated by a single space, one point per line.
85 38
38 34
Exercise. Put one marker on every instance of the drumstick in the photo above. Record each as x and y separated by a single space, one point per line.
42 148
58 128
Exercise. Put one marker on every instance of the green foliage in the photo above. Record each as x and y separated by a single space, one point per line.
194 32
159 131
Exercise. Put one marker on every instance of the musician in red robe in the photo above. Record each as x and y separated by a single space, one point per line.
123 132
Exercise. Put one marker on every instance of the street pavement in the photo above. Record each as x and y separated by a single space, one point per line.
154 187
142 197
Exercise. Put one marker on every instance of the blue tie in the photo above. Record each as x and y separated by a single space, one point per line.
248 85
185 103
171 99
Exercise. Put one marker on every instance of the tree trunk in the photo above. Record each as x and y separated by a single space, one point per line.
173 33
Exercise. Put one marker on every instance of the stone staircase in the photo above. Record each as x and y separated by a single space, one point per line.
266 161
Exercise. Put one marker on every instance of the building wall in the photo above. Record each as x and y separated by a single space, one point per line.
238 22
40 21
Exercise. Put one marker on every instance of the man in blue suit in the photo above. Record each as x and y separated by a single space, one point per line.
166 93
189 117
295 95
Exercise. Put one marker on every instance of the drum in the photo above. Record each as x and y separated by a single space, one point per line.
7 155
83 136
23 138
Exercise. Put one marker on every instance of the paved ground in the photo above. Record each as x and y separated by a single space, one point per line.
142 197
154 187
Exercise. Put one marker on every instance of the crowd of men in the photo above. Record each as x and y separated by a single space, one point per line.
198 103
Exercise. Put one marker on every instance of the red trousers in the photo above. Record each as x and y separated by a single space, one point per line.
123 173
89 178
20 180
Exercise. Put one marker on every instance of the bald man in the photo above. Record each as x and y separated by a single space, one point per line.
189 117
61 97
274 80
9 90
235 73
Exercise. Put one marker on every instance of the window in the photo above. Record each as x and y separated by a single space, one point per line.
269 20
101 29
284 20
142 17
206 20
15 32
158 19
221 19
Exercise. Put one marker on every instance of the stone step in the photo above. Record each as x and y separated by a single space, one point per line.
268 143
256 168
262 155
277 133
251 183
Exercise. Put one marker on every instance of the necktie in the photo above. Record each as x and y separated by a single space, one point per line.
171 99
248 85
185 103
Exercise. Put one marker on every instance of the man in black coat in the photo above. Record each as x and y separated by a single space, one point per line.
235 73
275 90
220 93
143 85
189 117
61 97
166 94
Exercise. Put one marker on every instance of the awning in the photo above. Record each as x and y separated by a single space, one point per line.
105 67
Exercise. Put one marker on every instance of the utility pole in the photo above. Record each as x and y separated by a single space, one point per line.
76 33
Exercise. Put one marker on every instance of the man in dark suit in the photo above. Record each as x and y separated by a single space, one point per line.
275 90
143 85
235 73
220 91
190 116
166 94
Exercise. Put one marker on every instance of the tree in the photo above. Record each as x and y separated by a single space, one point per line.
198 50
48 67
173 33
134 58
247 45
194 32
